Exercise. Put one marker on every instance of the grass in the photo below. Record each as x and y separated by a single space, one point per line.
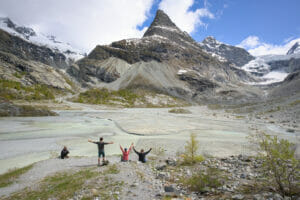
19 75
59 186
273 110
214 106
11 176
123 97
112 169
179 111
240 117
12 90
294 103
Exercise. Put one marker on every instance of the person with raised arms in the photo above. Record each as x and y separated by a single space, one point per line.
101 151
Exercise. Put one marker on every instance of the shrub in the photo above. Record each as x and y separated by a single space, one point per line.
280 166
211 178
190 154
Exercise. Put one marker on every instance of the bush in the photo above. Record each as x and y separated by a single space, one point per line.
280 166
13 90
190 154
211 178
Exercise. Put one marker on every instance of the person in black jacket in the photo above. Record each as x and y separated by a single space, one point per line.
64 153
142 154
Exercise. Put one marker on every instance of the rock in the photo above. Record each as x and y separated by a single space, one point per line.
188 172
163 175
277 197
243 176
8 109
205 190
169 188
161 167
290 130
258 197
237 197
94 192
171 161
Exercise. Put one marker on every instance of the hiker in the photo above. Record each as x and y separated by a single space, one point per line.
64 153
125 156
142 154
101 149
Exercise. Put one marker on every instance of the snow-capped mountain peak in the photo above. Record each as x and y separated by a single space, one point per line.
40 39
210 40
7 24
294 49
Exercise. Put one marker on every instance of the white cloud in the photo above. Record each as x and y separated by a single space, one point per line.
81 23
249 42
187 20
259 48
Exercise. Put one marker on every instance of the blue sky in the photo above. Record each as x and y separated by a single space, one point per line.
273 21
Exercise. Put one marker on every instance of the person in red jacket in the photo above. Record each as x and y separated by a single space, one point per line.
125 156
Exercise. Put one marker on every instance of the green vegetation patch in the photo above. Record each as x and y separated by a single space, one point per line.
12 90
124 98
11 176
104 96
112 169
59 186
179 111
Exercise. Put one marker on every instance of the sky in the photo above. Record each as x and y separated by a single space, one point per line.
260 26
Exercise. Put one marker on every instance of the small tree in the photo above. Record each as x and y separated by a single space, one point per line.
279 164
190 154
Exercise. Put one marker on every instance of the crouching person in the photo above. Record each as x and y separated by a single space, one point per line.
64 153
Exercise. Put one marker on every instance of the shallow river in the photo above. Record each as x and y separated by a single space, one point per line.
31 139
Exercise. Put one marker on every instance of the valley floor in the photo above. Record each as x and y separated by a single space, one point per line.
24 141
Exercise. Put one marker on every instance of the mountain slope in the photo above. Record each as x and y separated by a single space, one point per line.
165 60
40 39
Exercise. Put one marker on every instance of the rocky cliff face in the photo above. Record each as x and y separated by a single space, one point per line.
28 51
224 52
166 60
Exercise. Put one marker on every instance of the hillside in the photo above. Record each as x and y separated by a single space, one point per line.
165 60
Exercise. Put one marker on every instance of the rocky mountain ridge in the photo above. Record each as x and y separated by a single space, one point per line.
165 60
225 52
